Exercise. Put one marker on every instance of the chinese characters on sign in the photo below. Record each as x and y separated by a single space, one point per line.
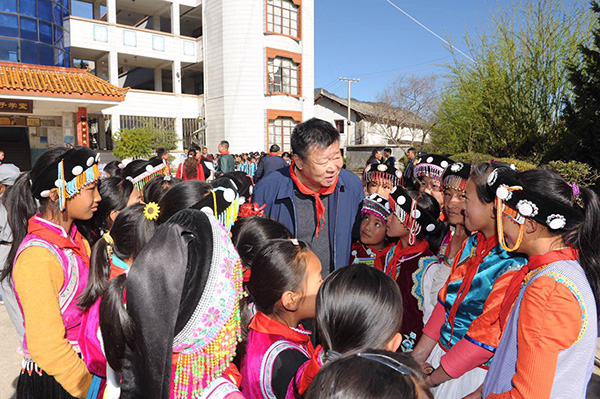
12 105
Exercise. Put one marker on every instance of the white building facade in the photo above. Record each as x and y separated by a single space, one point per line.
211 70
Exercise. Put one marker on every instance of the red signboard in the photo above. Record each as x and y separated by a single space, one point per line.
82 127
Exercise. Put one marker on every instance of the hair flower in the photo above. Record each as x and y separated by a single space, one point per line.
151 211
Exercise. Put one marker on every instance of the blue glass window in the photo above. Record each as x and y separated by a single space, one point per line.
58 34
29 29
8 25
9 50
57 15
29 52
46 55
45 10
27 7
45 32
8 5
59 57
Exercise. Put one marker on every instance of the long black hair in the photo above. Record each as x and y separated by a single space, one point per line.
432 206
279 266
586 237
156 188
358 307
182 196
479 175
248 234
130 232
21 205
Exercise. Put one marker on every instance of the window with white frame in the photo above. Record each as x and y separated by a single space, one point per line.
280 131
282 17
283 76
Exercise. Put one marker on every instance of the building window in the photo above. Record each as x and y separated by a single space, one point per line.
283 17
280 131
339 125
283 76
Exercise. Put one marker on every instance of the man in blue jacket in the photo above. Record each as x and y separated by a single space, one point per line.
317 200
270 162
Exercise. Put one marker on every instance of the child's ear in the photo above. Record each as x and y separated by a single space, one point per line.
54 195
492 211
113 215
290 301
394 343
531 226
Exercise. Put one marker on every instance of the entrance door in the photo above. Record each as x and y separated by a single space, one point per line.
14 141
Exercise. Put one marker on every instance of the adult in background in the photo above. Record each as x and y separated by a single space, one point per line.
225 163
206 155
409 169
317 200
390 160
269 163
375 158
190 169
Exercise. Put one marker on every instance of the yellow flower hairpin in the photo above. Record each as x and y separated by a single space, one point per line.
151 211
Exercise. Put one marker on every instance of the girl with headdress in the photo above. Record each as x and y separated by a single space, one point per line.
112 256
549 341
141 171
284 283
462 334
428 173
414 221
185 317
158 187
375 211
48 264
433 276
381 179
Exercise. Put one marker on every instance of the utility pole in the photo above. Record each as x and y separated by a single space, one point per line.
349 80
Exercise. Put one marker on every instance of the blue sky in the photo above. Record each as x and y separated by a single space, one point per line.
371 40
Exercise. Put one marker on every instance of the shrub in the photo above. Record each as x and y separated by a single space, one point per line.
474 158
134 143
573 171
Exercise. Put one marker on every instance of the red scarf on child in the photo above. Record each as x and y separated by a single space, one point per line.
400 252
534 262
77 244
319 206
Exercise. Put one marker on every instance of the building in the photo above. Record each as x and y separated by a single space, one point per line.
211 70
372 124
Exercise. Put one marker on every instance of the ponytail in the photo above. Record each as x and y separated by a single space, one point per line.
20 206
586 239
116 326
99 274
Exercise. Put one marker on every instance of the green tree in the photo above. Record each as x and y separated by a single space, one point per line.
581 140
508 101
141 142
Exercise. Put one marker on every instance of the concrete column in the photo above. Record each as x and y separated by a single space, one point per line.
101 132
111 9
175 26
115 124
177 77
97 13
113 68
179 132
158 79
156 22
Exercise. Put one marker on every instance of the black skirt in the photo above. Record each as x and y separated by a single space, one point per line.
39 385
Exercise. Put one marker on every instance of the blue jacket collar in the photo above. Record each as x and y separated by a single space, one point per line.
286 190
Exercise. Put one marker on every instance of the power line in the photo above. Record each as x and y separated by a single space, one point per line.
428 30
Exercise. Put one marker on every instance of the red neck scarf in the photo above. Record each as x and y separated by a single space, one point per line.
484 247
319 206
224 152
534 262
264 324
76 244
273 154
400 252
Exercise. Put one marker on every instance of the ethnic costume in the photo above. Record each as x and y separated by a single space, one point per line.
141 171
186 315
379 207
274 354
437 271
402 263
382 173
549 340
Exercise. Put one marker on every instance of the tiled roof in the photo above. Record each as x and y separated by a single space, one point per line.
48 81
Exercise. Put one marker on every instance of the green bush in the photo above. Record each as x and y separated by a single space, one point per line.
474 158
520 165
573 171
134 143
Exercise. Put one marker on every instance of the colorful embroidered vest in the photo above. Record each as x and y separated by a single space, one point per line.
75 280
575 364
496 263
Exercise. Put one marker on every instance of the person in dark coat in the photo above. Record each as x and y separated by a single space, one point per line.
270 162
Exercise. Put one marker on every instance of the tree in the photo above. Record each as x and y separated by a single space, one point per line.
581 140
142 141
508 101
406 110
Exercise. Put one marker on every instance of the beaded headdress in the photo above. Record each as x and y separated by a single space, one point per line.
69 173
518 202
377 206
432 165
414 217
223 202
455 176
141 172
382 172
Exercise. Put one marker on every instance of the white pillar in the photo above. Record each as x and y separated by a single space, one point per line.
177 77
175 29
115 124
158 79
111 9
113 68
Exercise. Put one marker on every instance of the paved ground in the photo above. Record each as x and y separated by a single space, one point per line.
10 361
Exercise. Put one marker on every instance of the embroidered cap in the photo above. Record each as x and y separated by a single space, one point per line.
141 171
455 176
223 202
432 165
414 217
382 172
377 206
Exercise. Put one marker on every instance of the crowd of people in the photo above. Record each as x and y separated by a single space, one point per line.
285 276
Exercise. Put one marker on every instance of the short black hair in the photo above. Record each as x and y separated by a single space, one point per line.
161 151
313 132
274 148
387 150
411 149
375 151
225 144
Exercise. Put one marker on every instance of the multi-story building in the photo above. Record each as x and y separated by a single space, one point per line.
239 70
